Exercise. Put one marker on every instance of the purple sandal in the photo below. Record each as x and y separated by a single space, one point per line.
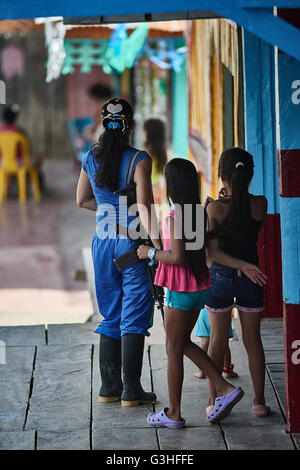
161 420
224 404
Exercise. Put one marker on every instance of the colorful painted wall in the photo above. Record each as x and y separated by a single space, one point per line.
288 144
260 141
272 118
215 112
232 103
180 113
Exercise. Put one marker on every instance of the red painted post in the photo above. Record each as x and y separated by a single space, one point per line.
292 365
289 189
269 251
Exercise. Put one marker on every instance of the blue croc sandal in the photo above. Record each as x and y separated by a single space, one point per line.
223 405
161 420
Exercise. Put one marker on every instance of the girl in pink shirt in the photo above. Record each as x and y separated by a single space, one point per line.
183 272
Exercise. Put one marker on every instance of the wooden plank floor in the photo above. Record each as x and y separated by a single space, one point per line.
49 397
273 341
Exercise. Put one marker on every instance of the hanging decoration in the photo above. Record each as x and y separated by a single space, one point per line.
12 62
84 52
115 55
54 34
121 52
162 53
118 53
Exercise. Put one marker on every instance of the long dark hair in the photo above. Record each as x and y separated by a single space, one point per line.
183 188
117 118
236 166
156 141
108 152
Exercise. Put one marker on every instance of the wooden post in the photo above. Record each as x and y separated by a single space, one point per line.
260 141
288 120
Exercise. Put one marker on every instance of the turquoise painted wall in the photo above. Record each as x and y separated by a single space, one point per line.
180 113
289 118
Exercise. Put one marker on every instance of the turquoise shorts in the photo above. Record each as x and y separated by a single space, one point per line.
202 325
186 300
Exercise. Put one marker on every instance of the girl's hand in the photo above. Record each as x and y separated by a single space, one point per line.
255 274
207 201
142 251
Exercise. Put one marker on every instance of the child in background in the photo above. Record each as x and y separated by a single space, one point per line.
203 331
185 274
156 147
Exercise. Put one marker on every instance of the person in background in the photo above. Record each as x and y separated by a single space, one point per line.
155 145
10 116
203 331
98 94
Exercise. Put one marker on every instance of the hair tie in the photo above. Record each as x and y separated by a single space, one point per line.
114 125
239 164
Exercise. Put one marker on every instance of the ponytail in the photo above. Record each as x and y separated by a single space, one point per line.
236 166
239 206
108 152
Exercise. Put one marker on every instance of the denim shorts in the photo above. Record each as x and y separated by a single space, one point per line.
186 300
231 288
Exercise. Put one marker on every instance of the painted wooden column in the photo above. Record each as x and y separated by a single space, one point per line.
180 110
260 141
288 125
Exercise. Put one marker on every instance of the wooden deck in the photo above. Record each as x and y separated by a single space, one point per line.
49 389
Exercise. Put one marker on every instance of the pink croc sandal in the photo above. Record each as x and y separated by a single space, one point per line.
261 410
161 420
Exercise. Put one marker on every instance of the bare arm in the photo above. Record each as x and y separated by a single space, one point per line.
85 197
144 197
173 256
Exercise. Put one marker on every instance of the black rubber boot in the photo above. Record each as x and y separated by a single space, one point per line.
110 369
132 361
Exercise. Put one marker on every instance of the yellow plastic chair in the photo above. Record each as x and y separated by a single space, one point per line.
9 141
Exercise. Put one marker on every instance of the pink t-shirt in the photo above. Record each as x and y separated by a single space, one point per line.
178 277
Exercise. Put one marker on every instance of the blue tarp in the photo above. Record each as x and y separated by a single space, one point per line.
68 8
254 15
38 8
